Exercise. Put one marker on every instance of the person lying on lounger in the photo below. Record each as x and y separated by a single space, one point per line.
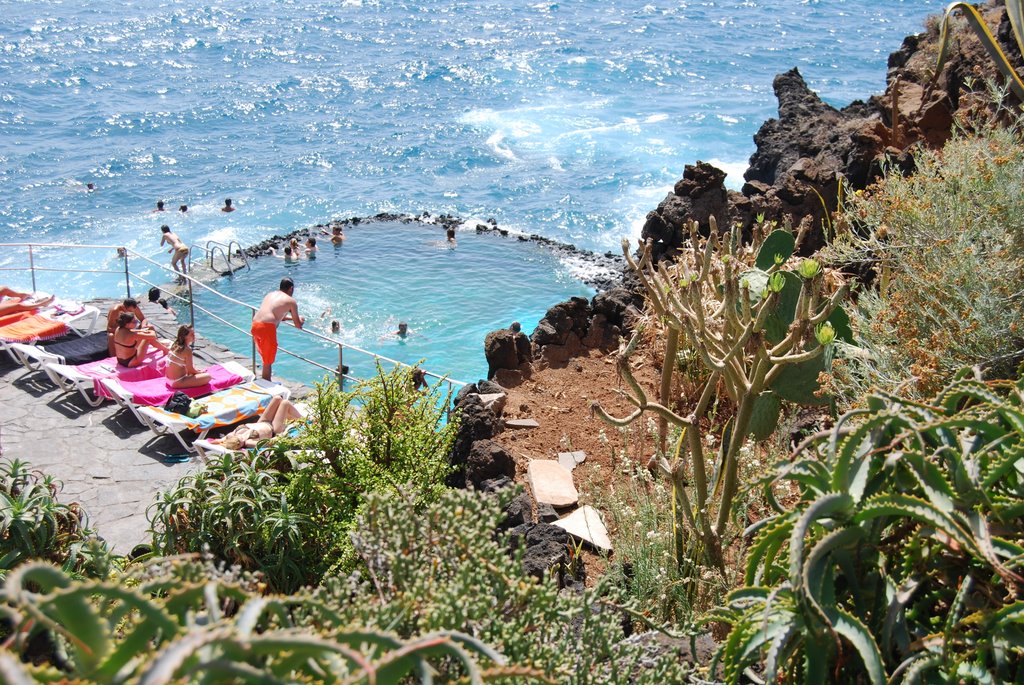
12 301
181 370
131 343
272 421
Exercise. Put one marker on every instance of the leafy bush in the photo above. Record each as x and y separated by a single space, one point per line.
286 510
172 628
35 525
438 587
442 569
901 560
947 247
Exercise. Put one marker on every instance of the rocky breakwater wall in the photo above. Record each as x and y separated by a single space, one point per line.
601 272
805 153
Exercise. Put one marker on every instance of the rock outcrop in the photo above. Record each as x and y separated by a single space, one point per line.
805 153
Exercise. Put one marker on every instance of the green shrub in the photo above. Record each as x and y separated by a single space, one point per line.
901 560
947 249
181 626
443 569
35 525
287 509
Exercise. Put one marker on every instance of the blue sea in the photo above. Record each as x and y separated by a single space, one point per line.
567 119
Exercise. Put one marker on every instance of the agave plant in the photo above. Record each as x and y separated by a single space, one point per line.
1015 12
901 561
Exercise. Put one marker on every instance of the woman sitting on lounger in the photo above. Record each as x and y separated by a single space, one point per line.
132 344
181 370
272 422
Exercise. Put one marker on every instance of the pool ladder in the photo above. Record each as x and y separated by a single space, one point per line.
232 255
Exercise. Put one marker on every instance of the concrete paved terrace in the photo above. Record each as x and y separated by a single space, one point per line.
108 462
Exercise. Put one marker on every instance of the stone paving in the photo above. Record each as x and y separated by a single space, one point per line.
108 462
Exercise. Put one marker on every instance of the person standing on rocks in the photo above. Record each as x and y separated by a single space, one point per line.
276 307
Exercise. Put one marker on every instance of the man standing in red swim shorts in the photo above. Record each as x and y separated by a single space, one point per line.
276 307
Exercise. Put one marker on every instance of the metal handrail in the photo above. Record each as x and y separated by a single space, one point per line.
126 253
239 251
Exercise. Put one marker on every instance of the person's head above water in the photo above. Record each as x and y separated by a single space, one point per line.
159 205
311 242
183 208
287 285
335 326
403 329
227 206
515 327
287 251
154 294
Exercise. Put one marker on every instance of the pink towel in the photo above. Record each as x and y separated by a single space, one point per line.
154 392
152 367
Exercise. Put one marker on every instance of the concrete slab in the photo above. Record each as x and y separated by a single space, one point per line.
551 483
585 524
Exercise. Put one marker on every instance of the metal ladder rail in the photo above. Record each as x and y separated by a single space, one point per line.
238 251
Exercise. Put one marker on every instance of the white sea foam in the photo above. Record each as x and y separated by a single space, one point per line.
734 172
495 143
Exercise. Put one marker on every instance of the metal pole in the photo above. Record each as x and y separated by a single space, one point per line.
32 268
253 345
127 281
341 365
191 307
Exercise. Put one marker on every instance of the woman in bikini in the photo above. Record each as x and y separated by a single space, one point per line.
272 422
181 370
131 345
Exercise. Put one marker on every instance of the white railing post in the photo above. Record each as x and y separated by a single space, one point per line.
32 268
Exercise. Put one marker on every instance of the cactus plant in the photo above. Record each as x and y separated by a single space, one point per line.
754 331
1015 12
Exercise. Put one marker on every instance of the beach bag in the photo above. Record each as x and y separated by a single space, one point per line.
179 403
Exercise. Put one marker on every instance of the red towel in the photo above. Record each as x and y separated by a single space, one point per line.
34 327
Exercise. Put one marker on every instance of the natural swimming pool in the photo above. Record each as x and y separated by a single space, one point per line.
386 273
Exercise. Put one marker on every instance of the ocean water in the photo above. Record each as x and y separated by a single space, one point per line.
569 119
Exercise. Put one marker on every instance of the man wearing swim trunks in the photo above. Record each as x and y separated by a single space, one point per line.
276 307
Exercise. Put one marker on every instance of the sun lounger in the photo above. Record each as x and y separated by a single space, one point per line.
155 392
85 377
70 350
224 408
49 322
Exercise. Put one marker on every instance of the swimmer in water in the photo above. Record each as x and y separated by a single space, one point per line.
227 206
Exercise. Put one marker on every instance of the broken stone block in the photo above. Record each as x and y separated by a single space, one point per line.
521 423
495 401
571 460
585 524
551 483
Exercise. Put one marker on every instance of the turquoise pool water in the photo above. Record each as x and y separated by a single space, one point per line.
384 274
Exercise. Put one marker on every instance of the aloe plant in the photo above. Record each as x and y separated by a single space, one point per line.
901 560
34 524
763 333
1015 12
